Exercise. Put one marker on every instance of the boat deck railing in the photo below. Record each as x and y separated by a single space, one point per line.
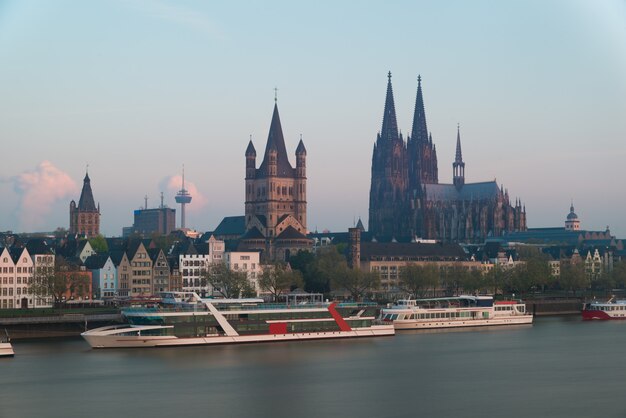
239 307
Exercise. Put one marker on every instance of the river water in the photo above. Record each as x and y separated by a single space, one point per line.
558 367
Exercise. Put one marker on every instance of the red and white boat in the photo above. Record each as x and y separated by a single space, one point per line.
183 318
611 309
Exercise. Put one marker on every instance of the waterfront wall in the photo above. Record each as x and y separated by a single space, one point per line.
545 307
68 325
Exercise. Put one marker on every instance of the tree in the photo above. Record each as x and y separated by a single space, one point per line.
278 279
618 274
323 271
355 281
536 269
60 285
60 232
229 283
99 244
493 279
573 277
417 280
473 282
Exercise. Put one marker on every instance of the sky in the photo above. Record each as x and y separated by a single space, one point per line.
136 88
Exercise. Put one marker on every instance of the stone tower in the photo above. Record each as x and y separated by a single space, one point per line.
389 186
276 205
85 218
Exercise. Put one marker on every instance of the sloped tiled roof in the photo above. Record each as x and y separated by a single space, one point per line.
96 261
469 191
231 225
377 249
290 233
253 233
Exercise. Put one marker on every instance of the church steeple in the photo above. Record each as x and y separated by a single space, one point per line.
86 202
276 144
458 167
420 131
390 125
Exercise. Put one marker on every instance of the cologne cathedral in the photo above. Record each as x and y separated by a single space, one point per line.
408 203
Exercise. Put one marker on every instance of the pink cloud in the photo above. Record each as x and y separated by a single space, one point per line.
173 184
38 190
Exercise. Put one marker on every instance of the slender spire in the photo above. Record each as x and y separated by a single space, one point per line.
276 141
390 125
459 157
420 131
458 166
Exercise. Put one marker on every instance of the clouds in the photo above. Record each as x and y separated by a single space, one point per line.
38 190
172 185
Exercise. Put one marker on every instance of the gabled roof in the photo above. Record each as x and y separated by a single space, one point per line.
253 233
16 253
39 246
290 233
116 256
116 244
231 225
133 247
96 261
153 253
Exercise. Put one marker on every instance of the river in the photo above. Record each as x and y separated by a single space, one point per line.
558 367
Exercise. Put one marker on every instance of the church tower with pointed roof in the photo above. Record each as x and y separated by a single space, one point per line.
85 217
276 203
389 185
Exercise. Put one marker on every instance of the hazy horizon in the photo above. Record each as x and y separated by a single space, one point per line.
138 88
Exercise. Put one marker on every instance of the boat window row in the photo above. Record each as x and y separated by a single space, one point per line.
607 308
431 315
295 314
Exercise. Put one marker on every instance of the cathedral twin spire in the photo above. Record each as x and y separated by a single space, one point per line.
390 124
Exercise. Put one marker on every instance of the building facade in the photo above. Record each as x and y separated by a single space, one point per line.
85 217
159 221
247 262
407 200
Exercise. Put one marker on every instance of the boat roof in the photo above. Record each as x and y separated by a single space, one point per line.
461 297
232 301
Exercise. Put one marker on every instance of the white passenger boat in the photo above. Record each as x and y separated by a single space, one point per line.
459 311
6 349
183 318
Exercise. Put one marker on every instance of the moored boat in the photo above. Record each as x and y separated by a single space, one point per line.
611 309
6 349
452 312
183 318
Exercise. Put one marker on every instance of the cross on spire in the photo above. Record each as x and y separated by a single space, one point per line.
275 94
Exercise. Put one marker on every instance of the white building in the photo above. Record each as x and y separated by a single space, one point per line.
247 262
17 270
194 263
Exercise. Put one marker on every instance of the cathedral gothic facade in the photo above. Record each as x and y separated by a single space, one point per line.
408 202
276 205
